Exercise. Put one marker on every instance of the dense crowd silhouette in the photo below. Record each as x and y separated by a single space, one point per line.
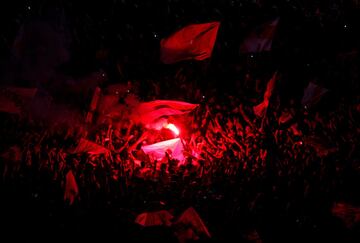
274 178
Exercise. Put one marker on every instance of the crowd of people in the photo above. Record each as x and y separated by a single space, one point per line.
240 171
269 178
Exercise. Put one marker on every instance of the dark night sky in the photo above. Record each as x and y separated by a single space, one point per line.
309 31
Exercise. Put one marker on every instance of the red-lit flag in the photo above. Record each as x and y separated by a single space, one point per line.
195 226
260 39
260 109
157 150
150 113
192 42
93 104
71 188
312 94
162 217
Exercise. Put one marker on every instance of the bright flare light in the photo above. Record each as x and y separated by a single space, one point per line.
173 128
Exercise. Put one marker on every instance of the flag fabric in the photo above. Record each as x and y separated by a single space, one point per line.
157 218
312 94
261 108
15 99
86 146
192 42
295 130
175 104
95 99
285 117
93 104
157 150
71 188
149 113
260 39
191 218
349 214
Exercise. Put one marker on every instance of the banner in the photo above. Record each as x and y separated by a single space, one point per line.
157 150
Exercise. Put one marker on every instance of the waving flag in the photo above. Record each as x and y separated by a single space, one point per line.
149 113
260 39
157 150
157 218
71 188
195 226
194 41
93 104
285 117
260 109
312 94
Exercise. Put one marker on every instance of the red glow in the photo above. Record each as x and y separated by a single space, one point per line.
195 41
173 128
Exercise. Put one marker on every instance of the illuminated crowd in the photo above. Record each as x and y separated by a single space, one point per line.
269 178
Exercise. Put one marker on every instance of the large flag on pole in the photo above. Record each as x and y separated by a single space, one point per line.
260 39
192 42
261 108
149 113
